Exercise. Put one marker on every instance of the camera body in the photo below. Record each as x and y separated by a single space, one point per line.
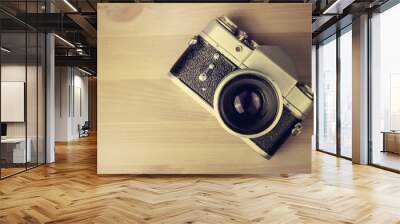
247 87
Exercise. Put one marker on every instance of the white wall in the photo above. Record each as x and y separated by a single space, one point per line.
13 72
70 84
16 73
10 73
79 117
62 82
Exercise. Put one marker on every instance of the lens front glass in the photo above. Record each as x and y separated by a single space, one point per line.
248 104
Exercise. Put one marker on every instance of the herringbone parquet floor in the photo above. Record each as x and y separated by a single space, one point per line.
69 191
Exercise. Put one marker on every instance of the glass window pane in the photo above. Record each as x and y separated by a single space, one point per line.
22 90
31 88
385 87
32 95
14 153
41 98
327 96
346 94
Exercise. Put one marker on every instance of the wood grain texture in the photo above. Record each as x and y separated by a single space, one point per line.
146 125
70 191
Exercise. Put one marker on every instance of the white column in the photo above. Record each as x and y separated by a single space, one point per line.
360 90
50 99
50 92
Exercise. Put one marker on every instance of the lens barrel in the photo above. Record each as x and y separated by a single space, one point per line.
248 103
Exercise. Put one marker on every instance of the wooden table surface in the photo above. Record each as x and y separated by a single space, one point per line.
146 125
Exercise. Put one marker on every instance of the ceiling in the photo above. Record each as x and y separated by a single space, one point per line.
76 22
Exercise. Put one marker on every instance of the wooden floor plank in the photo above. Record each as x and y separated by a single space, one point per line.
70 191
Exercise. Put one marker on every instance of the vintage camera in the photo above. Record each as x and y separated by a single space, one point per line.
249 88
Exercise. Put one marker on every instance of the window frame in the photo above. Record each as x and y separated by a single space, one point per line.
381 9
334 37
27 29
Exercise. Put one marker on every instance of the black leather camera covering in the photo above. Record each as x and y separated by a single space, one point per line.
271 142
196 59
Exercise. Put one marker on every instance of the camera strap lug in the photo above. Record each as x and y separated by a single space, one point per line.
193 41
297 129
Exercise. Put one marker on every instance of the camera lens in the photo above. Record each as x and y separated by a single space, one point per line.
248 104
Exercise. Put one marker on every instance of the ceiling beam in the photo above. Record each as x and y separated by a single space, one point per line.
81 61
84 24
49 22
337 7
